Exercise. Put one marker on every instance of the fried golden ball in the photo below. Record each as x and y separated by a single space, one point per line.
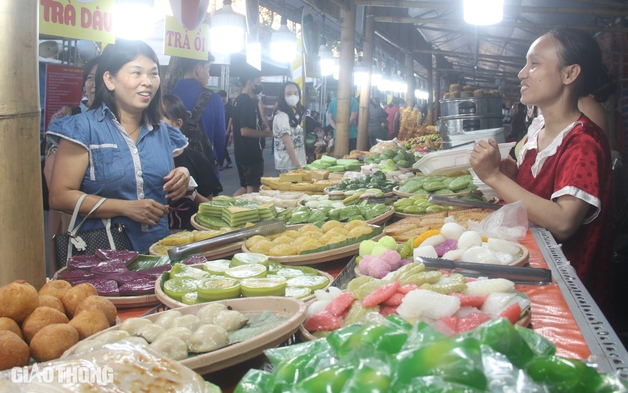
283 240
51 301
338 231
308 244
311 235
56 288
309 228
89 321
105 305
17 300
10 325
75 295
355 224
262 247
292 234
50 342
281 250
254 240
40 318
359 231
13 351
336 239
329 225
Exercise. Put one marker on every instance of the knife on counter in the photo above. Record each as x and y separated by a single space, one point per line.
516 274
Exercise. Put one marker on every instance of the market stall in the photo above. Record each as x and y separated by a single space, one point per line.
563 312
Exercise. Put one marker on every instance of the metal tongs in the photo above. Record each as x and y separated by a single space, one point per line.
265 228
516 274
441 200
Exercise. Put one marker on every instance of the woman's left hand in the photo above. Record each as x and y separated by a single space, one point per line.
485 159
177 183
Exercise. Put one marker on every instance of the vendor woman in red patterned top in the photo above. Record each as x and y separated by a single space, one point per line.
563 174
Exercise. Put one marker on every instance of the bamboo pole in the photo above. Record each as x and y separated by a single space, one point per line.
437 97
410 99
345 80
22 240
365 95
430 85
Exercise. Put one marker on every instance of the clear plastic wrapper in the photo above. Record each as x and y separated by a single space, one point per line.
115 367
508 223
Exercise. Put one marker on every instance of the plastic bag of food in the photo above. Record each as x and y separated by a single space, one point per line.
114 367
508 223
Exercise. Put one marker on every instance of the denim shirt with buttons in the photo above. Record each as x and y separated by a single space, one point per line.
122 169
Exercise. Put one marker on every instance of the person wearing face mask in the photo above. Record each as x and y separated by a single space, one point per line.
248 133
288 138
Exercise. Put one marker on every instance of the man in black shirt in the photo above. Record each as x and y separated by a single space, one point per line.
248 129
228 124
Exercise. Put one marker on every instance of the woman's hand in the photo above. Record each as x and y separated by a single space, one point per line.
485 160
145 211
508 167
177 183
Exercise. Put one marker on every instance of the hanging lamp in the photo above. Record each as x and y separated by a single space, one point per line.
283 43
227 30
483 12
376 76
325 56
126 23
327 60
360 73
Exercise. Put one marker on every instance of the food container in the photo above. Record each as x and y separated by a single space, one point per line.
444 161
453 140
453 125
471 106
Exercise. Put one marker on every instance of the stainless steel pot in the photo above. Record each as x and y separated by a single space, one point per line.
472 106
461 124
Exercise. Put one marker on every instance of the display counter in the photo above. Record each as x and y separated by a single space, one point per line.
563 312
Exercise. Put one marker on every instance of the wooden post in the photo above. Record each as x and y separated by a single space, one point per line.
365 95
22 251
410 99
430 85
345 81
436 98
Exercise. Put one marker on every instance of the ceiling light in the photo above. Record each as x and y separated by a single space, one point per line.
127 25
384 84
360 73
227 30
327 60
483 12
336 72
421 94
376 76
283 43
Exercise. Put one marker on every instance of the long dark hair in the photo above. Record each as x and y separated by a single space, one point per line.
94 61
174 109
295 115
114 57
579 47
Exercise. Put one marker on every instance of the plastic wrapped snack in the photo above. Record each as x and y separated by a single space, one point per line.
115 367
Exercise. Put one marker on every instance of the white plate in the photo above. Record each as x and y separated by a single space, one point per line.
444 161
294 310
